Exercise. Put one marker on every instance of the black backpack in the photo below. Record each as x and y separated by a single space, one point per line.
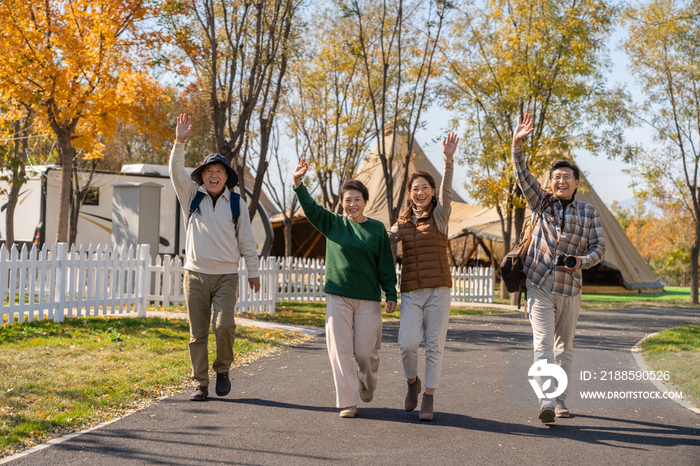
235 206
513 264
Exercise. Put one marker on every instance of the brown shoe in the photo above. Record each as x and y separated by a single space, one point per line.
547 414
426 408
199 394
365 395
412 394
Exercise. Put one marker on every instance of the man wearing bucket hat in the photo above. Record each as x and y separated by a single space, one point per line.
215 242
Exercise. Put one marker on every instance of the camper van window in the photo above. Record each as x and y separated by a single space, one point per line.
92 197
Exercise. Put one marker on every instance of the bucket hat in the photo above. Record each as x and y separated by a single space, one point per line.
232 180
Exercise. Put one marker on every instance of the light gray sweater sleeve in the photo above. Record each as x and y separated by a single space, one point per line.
185 188
443 209
246 241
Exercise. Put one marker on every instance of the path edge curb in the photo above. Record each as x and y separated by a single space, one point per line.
636 353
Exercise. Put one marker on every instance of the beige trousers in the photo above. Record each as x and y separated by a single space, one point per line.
205 294
553 318
353 327
425 313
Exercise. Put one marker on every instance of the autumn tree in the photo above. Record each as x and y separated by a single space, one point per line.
130 144
396 41
662 236
544 57
15 124
279 187
665 244
327 107
239 51
78 65
663 45
634 218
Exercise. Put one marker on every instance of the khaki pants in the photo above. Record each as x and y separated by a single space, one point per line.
425 313
553 318
203 294
353 327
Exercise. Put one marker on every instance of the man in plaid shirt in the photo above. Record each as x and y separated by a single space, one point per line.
568 228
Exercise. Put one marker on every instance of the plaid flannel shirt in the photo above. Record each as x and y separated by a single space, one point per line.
582 235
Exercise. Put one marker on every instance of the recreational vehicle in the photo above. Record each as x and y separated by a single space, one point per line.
36 215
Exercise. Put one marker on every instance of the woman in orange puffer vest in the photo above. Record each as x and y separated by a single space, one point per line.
426 278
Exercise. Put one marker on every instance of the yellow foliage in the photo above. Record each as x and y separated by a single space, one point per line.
79 63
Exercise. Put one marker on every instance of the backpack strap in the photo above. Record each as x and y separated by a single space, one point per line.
194 205
235 207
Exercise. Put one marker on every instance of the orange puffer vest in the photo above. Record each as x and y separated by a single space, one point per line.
423 244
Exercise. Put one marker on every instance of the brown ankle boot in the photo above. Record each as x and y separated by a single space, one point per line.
412 394
426 408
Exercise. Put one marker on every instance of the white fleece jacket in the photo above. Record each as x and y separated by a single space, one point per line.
212 244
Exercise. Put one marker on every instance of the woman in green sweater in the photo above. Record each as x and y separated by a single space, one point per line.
359 265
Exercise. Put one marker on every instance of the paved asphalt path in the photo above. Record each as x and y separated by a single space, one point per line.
281 411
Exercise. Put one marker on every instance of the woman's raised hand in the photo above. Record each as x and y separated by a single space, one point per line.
299 172
449 146
523 130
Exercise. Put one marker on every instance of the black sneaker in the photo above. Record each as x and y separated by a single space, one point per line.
223 383
199 394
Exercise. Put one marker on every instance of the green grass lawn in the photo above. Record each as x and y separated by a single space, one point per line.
677 351
314 314
673 296
62 377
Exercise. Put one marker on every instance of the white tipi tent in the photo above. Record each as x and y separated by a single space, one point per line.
371 175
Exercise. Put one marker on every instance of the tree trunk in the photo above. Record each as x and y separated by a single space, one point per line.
19 154
10 214
257 185
12 197
67 151
694 253
288 223
73 224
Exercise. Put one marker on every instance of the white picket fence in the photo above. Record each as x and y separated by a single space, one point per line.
38 284
293 279
50 283
165 284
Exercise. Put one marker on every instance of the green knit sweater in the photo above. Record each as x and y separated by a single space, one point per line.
358 255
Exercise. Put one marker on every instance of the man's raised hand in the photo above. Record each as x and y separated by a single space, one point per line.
523 130
183 128
299 172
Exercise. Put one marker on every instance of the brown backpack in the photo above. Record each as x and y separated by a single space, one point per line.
513 264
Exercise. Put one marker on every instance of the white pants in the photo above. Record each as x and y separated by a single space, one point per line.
425 313
553 318
353 327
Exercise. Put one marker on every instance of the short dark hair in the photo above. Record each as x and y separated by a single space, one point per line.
564 164
357 186
412 177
